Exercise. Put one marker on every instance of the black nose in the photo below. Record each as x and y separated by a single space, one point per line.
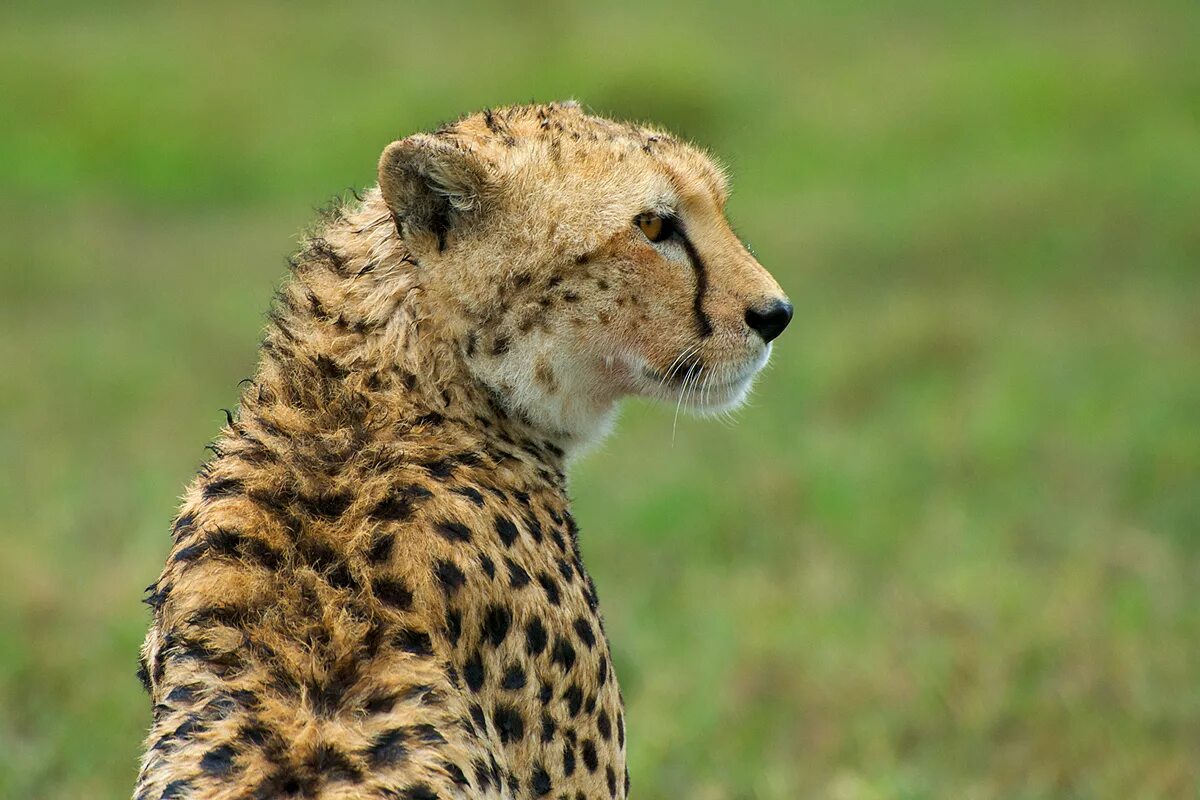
770 319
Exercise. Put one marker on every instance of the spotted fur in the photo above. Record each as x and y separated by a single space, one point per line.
375 588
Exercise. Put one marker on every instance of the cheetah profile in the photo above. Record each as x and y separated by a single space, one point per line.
375 588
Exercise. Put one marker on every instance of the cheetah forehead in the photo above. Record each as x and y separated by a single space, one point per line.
561 137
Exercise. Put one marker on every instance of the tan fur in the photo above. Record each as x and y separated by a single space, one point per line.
375 588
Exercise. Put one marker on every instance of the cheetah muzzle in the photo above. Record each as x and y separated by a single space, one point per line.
375 588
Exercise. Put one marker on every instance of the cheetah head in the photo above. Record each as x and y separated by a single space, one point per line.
582 261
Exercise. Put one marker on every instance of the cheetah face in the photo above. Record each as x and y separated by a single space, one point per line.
586 261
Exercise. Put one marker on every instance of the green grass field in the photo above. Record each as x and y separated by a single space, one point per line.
950 550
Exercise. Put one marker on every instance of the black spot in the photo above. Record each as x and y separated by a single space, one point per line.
427 695
453 625
568 759
574 697
535 637
509 723
218 761
563 654
431 419
441 468
611 778
381 703
514 678
157 595
255 733
224 542
334 765
545 693
453 531
449 576
489 566
388 748
321 557
534 527
419 791
183 695
183 526
223 705
327 695
474 673
191 552
189 726
621 729
551 588
471 493
456 774
565 570
548 728
262 553
593 599
393 592
228 616
604 725
517 576
626 780
540 782
584 629
413 641
381 549
329 506
143 675
506 530
480 719
496 623
282 783
223 487
398 505
427 734
175 789
470 458
602 671
589 755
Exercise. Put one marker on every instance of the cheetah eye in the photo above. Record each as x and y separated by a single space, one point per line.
658 228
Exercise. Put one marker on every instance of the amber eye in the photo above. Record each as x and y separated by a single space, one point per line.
656 227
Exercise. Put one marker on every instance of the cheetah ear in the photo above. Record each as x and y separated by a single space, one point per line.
429 184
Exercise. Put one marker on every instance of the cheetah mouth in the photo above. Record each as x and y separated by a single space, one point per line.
695 382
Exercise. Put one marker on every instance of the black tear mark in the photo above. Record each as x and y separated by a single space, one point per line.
703 326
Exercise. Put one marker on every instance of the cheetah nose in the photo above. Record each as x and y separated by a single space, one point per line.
769 320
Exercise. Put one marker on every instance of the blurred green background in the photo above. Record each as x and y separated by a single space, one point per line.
952 548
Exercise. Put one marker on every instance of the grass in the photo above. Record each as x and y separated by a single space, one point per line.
950 550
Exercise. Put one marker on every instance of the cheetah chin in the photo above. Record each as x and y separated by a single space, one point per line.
375 588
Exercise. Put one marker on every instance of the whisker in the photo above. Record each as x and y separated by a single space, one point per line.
674 365
679 404
682 359
692 393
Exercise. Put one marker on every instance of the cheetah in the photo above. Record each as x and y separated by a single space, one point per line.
375 588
